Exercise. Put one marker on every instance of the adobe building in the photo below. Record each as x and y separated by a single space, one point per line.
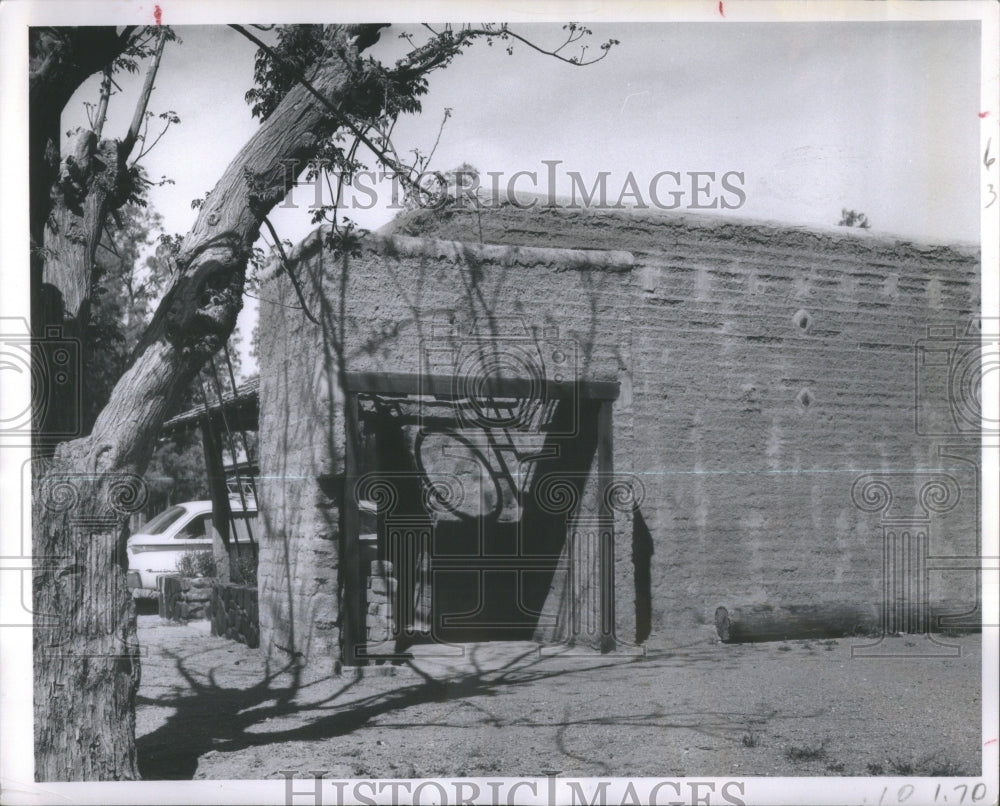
593 428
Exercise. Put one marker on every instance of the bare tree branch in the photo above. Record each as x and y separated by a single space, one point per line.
146 149
287 266
140 108
102 107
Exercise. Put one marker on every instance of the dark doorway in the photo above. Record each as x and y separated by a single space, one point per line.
467 534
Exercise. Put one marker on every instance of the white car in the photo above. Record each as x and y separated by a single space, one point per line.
155 549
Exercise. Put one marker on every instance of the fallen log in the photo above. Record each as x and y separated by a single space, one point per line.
770 623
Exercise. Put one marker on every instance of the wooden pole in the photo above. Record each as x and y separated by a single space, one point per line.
216 474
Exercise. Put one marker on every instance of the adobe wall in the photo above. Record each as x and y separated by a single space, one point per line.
776 369
763 372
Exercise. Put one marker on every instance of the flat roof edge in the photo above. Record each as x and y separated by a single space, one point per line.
560 259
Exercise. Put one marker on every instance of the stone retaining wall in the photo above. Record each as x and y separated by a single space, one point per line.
234 613
184 598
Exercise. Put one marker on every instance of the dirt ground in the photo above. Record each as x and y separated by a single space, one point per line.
208 709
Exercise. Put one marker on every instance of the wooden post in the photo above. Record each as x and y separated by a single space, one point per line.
216 474
606 566
354 635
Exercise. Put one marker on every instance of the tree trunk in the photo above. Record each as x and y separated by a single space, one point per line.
86 668
86 652
92 182
768 623
81 587
60 60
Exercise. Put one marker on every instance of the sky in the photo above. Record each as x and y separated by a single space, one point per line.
877 117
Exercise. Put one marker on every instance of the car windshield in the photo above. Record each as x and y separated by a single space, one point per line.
160 523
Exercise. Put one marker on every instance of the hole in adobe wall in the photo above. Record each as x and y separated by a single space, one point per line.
802 319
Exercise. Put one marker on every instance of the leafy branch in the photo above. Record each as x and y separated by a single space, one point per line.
169 118
574 34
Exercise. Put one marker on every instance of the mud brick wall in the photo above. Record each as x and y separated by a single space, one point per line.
403 294
783 367
299 549
767 375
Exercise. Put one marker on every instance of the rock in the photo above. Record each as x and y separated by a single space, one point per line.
201 582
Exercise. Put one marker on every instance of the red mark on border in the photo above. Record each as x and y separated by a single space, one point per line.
157 15
984 114
721 12
991 741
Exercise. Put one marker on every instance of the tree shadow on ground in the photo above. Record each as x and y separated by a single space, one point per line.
211 716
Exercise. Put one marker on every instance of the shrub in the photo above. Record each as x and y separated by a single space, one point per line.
805 753
244 570
901 767
197 564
